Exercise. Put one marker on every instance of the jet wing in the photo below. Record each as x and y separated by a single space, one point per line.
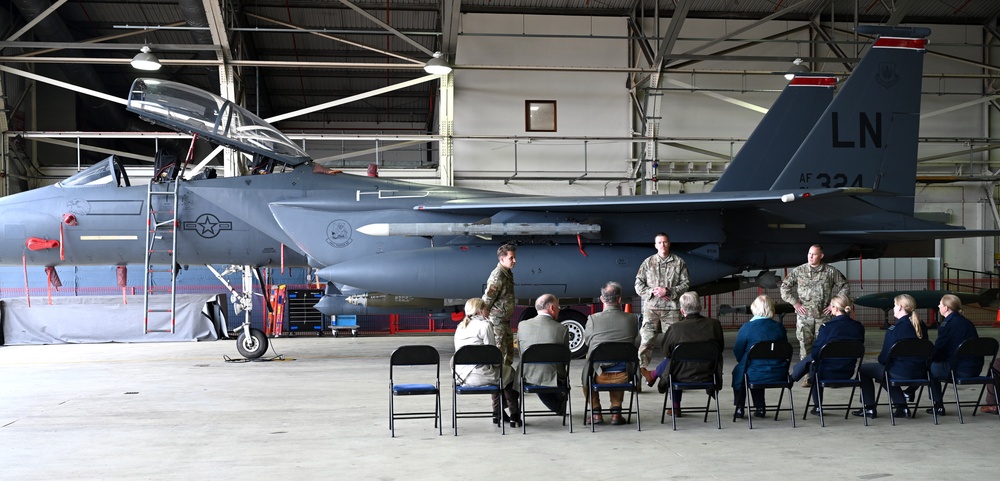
641 203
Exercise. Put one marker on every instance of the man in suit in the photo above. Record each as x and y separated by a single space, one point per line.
693 327
609 325
545 329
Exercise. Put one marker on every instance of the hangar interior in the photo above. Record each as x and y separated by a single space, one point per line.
627 84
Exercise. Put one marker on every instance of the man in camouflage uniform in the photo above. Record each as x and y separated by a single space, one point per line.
500 301
661 280
809 288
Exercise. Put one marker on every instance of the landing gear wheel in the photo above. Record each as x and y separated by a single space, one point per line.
354 333
574 322
252 346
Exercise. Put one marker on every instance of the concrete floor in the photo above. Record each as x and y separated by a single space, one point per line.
179 411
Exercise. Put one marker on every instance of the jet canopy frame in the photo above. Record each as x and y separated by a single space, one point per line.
191 110
106 172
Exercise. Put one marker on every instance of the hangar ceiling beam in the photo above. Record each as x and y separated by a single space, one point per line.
963 105
353 98
98 42
746 28
386 26
65 85
227 77
673 31
335 38
902 8
92 148
451 17
34 21
652 112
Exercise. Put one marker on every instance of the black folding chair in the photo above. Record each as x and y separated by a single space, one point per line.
703 352
483 355
418 355
769 351
917 350
979 347
613 353
557 354
836 352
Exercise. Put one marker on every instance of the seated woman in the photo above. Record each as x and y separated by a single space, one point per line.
476 330
760 328
955 329
908 326
842 327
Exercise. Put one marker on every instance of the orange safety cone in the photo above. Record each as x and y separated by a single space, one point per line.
997 322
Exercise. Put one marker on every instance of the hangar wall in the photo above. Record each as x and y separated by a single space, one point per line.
491 103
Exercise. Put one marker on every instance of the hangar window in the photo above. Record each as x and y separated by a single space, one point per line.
540 115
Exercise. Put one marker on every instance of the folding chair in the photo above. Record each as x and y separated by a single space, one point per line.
780 351
703 352
544 354
918 351
417 355
624 353
979 347
836 353
484 355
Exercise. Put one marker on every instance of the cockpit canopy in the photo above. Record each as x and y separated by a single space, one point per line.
191 110
106 172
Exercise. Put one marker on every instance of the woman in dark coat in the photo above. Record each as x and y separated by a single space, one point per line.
761 327
842 327
908 326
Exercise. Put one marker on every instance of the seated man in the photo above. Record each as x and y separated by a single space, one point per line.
545 329
693 327
609 325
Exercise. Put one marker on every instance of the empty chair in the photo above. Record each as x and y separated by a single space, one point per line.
781 352
836 366
983 348
421 358
915 354
701 357
557 354
476 355
618 355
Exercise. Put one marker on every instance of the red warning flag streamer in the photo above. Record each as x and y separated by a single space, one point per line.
24 263
67 219
121 273
52 280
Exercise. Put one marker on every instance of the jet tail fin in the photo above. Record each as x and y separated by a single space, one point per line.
867 137
778 135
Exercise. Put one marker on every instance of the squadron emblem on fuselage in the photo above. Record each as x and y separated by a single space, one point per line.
338 233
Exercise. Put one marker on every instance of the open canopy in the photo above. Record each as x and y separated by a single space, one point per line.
187 109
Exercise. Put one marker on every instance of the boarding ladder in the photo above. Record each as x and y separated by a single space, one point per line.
161 253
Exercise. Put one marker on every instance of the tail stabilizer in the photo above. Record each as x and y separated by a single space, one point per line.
867 137
778 135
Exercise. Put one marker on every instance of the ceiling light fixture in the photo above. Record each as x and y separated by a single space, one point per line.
144 60
796 69
437 65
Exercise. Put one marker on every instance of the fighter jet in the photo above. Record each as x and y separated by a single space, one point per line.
849 186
